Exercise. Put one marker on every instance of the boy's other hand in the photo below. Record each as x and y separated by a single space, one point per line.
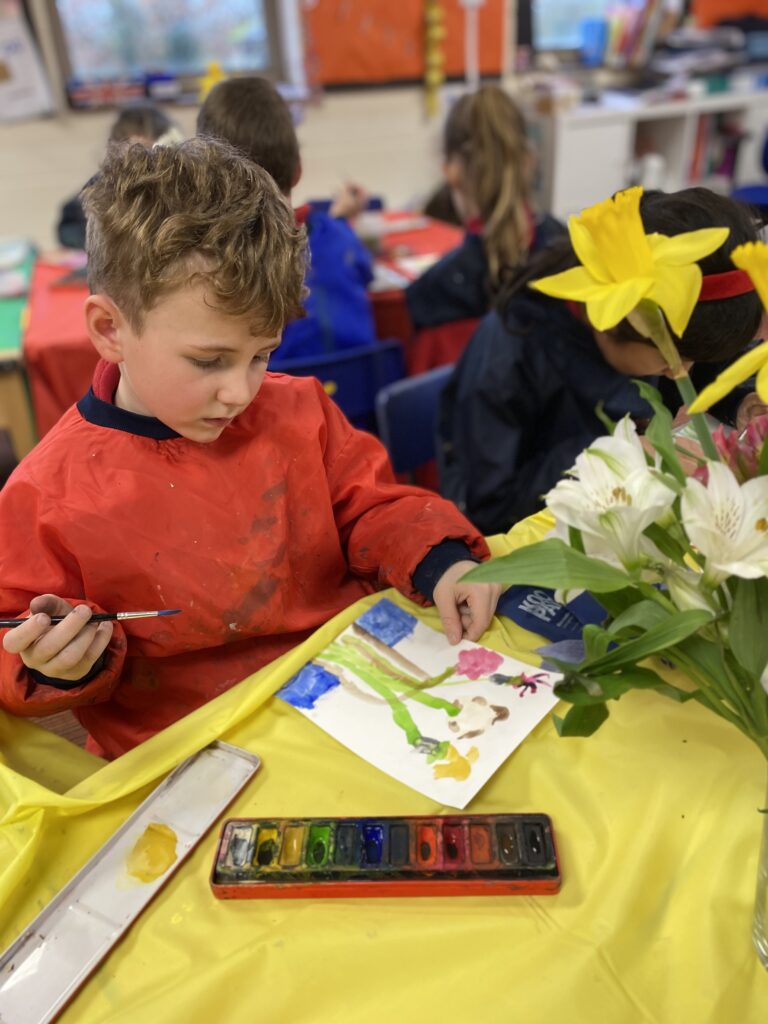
466 609
66 650
350 201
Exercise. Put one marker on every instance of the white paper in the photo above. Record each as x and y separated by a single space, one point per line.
370 690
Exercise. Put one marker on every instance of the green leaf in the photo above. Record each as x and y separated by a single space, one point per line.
581 721
643 615
551 563
604 418
762 467
659 431
668 633
575 539
748 629
596 641
666 544
620 600
584 690
636 678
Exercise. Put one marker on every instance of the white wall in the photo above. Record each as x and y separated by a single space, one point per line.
378 138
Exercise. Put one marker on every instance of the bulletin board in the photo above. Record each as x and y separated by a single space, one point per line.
378 41
710 12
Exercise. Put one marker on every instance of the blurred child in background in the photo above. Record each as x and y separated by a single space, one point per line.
487 165
140 122
251 114
521 403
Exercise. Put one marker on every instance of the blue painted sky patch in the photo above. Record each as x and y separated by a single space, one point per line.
388 622
307 686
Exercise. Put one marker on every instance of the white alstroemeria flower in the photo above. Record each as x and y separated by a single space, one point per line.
612 496
728 523
687 590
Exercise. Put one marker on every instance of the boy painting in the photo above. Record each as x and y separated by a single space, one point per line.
189 477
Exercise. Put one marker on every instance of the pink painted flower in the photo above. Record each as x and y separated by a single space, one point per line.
478 662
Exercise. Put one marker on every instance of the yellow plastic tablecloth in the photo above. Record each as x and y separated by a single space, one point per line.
658 837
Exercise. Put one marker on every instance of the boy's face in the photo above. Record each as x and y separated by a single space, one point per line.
634 358
191 366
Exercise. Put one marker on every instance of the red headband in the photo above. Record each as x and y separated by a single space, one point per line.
725 286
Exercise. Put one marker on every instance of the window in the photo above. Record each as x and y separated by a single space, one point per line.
557 23
138 39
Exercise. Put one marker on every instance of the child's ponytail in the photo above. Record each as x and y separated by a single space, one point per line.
487 132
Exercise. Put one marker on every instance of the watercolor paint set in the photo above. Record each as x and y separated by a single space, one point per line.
462 855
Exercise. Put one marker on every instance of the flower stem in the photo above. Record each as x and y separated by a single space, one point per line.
688 395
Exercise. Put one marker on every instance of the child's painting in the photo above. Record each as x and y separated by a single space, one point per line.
441 719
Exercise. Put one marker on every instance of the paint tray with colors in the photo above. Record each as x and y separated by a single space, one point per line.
464 855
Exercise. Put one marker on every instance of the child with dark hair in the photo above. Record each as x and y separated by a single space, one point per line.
487 163
172 485
521 403
140 122
251 115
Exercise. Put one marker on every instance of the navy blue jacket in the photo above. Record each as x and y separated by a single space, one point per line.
520 406
456 287
339 314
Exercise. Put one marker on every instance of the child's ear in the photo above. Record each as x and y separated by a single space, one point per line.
762 330
106 327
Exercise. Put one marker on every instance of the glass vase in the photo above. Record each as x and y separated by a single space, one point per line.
760 921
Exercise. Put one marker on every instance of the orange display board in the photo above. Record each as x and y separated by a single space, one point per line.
710 12
369 41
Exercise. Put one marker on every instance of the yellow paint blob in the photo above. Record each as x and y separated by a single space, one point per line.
456 767
153 853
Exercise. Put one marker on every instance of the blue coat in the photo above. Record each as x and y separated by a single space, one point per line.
456 287
339 314
520 406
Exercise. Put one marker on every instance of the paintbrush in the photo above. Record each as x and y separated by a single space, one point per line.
100 617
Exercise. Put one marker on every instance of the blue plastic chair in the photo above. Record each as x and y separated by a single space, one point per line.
353 377
406 413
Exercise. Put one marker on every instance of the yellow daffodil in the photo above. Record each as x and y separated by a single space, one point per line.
752 257
621 265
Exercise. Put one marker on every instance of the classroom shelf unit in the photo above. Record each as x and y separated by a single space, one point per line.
590 151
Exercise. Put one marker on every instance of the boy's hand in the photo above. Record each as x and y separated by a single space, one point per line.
350 201
67 650
466 609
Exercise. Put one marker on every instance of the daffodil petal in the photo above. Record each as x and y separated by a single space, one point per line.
753 257
609 307
586 250
688 247
761 384
730 378
616 230
676 289
576 283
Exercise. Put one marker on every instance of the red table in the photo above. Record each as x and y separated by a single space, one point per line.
58 355
60 358
434 238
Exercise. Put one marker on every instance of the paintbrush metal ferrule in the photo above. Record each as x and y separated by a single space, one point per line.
143 615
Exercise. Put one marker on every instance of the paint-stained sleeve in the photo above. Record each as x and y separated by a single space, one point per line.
386 528
33 561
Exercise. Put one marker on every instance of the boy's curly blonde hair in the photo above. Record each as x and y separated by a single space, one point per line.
161 218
